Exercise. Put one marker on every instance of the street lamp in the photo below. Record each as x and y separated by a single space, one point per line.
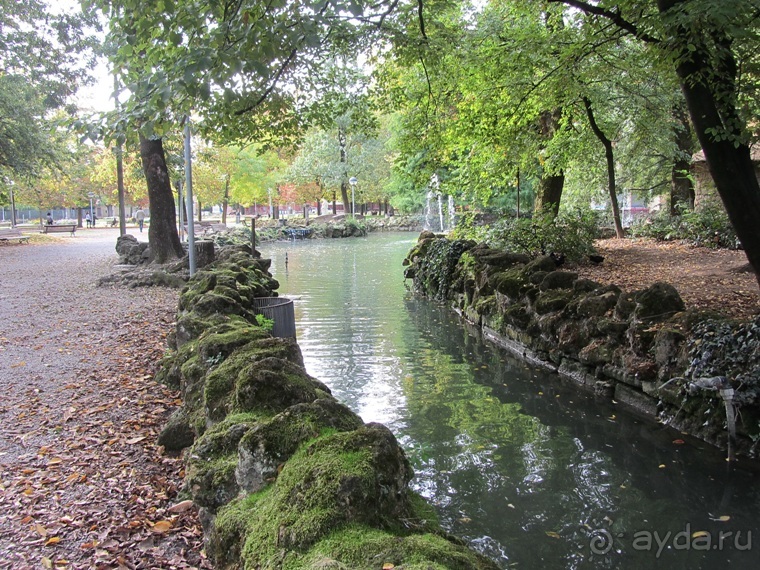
91 195
352 181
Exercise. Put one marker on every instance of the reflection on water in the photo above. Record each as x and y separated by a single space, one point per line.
517 461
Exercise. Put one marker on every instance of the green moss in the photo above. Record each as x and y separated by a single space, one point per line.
220 341
510 282
213 459
337 479
553 300
359 547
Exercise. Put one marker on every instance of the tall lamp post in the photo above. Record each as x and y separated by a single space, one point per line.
91 195
352 181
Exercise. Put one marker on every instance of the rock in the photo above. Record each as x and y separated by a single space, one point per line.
552 300
544 263
585 286
264 449
625 306
597 305
657 303
177 433
558 280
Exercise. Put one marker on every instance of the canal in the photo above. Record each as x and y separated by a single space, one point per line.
527 469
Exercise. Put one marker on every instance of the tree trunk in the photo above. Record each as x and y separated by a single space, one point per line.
550 186
334 203
610 157
200 215
162 232
681 185
344 161
225 201
549 192
710 95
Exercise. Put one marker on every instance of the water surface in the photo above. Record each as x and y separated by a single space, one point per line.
532 472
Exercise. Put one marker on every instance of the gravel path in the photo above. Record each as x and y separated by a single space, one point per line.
82 483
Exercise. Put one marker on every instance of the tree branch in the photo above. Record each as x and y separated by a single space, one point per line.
612 15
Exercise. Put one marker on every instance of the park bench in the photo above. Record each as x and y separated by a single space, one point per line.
12 233
206 228
57 229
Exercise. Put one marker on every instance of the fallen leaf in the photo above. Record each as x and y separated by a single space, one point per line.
181 507
161 527
53 540
41 530
552 534
388 566
700 534
679 441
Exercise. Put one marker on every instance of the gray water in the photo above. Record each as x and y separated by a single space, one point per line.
527 469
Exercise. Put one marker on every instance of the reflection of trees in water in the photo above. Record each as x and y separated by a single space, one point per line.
485 431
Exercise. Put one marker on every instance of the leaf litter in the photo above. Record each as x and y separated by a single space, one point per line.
82 482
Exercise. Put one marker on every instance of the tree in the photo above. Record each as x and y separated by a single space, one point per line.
45 55
256 175
162 231
704 42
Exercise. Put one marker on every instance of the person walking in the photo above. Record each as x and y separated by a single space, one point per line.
140 217
87 219
49 220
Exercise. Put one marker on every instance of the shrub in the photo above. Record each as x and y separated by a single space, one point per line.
707 227
571 234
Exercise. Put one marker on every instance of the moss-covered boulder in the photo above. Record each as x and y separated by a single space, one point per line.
657 303
352 482
558 280
264 449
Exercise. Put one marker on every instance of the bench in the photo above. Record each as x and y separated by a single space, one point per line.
57 229
206 228
13 233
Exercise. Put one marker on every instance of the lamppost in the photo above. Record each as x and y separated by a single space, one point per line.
91 195
352 181
269 191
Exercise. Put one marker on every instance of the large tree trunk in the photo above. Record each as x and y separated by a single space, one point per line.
162 232
549 192
550 186
610 157
681 185
710 90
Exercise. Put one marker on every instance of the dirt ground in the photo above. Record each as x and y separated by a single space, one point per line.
82 482
705 278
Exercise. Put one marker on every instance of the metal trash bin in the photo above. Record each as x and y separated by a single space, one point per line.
279 310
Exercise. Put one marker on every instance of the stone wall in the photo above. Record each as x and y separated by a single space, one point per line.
284 475
641 348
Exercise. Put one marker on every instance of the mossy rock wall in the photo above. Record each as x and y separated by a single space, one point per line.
643 346
284 475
